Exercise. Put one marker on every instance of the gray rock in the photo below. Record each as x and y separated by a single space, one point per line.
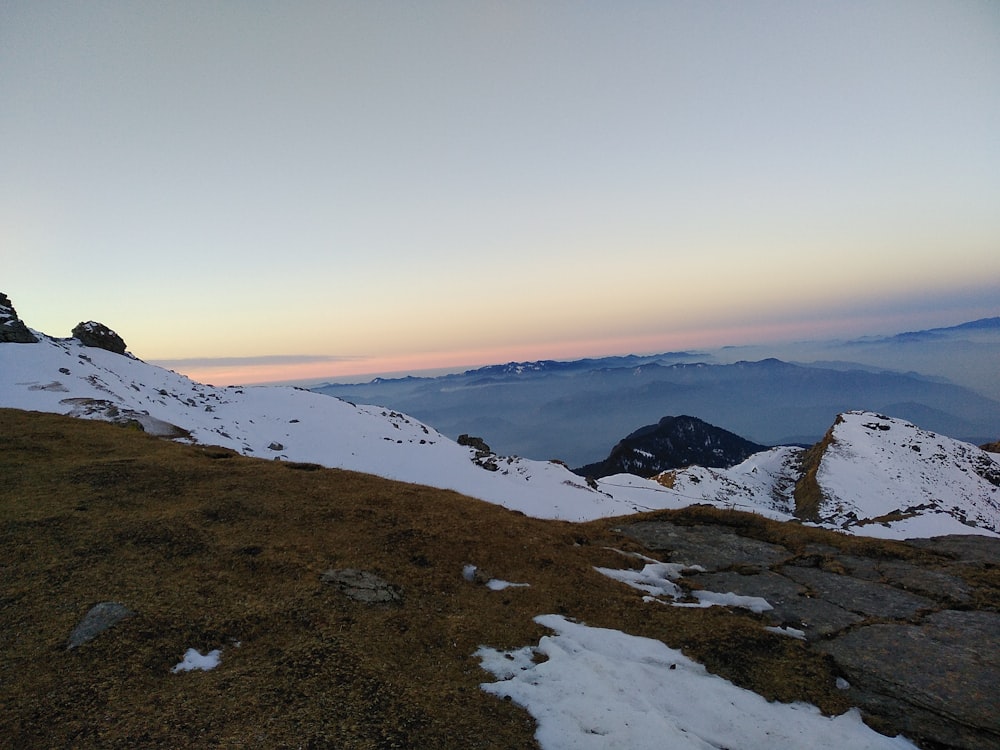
711 547
932 583
935 584
936 680
12 330
100 336
854 595
100 617
777 589
817 618
363 586
963 548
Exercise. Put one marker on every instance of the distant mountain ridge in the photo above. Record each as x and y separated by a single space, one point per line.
574 411
983 324
558 366
673 443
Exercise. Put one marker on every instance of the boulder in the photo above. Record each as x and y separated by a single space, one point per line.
12 329
100 336
100 617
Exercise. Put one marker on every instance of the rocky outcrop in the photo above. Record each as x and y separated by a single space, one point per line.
12 329
673 443
100 336
916 637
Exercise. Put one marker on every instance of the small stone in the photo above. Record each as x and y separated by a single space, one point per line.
363 586
100 617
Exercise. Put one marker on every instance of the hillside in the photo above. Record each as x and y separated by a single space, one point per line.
211 550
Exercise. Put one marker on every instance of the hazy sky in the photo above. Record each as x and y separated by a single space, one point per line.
374 186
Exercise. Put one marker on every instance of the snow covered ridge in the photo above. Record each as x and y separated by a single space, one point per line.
902 472
892 481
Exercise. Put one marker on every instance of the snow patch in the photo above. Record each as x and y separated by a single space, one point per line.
593 688
193 659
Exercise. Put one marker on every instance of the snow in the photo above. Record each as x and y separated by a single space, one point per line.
493 584
603 689
896 467
496 584
657 580
791 633
867 472
193 659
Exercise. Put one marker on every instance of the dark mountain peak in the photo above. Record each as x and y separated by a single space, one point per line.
673 443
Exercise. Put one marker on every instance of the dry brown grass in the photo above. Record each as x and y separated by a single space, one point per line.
808 494
211 548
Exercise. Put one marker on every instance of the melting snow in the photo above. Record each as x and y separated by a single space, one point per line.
194 660
603 689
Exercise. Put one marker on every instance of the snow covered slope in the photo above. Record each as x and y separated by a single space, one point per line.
63 376
929 484
873 466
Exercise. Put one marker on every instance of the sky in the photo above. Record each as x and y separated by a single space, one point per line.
252 191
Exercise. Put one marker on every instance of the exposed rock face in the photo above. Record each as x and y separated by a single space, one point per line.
673 443
12 329
100 336
916 641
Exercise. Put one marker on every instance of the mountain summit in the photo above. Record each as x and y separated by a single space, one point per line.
673 443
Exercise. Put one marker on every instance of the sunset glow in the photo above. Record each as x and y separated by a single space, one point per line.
344 189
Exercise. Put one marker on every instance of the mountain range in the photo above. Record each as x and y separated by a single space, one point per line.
575 411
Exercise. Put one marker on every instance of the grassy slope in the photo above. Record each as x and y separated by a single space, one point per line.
211 548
